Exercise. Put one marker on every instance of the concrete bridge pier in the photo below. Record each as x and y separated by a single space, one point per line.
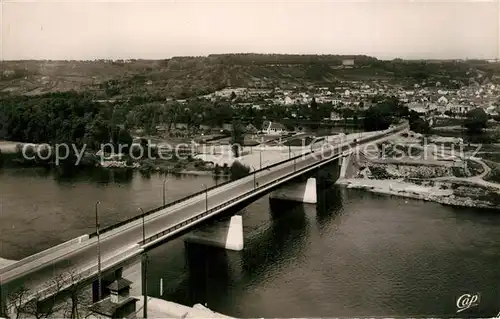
227 234
304 192
344 165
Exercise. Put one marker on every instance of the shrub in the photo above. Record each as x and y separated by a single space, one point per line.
238 170
135 150
147 166
217 169
178 165
476 120
379 173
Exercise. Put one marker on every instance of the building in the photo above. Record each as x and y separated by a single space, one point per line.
336 102
335 116
273 128
250 129
119 304
348 62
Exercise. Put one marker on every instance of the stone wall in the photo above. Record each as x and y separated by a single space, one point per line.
384 171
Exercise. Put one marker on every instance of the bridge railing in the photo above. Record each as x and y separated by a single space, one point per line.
148 213
175 202
256 189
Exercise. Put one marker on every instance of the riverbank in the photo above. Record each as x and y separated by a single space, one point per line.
429 174
442 192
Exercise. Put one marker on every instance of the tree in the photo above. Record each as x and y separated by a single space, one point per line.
217 170
377 118
16 300
315 116
237 138
78 301
384 113
23 301
418 124
238 170
124 138
476 120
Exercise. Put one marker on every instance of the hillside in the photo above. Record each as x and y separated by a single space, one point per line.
181 77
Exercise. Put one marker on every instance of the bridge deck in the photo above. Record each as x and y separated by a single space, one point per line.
82 257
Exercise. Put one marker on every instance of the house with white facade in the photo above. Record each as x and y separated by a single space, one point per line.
273 128
348 62
335 116
442 100
492 110
417 107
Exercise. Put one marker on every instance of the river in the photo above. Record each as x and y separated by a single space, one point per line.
353 254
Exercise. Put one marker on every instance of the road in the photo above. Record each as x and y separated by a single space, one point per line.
83 255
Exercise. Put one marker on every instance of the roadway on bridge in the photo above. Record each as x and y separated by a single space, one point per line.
84 255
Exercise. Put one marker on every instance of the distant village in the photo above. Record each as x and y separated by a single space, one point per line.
358 95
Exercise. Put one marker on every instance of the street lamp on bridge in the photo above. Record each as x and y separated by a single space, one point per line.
143 226
144 268
99 279
164 182
206 196
294 161
260 156
254 178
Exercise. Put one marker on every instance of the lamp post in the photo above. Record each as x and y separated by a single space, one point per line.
143 226
260 156
164 182
254 178
99 279
206 197
144 268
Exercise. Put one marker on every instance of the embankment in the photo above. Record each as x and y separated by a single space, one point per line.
420 181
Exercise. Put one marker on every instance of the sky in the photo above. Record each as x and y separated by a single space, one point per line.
411 29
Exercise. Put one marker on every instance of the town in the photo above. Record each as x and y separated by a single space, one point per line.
434 126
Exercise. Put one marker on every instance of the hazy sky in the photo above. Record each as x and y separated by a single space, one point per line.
160 29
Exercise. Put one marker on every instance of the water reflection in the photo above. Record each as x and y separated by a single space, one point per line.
282 240
209 274
369 254
330 203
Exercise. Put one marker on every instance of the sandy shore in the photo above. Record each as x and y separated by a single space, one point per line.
394 187
398 187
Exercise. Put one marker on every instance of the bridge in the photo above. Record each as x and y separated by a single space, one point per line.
124 243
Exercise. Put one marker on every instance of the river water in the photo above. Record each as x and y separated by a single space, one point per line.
353 254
